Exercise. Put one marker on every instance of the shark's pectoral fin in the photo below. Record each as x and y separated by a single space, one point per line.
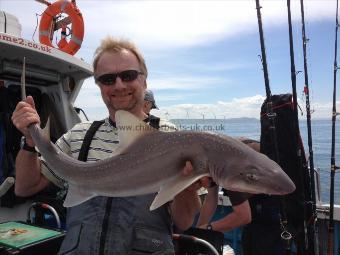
76 196
172 188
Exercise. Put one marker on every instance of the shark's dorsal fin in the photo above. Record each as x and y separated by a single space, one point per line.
129 128
172 188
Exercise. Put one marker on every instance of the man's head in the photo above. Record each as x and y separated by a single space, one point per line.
149 101
120 72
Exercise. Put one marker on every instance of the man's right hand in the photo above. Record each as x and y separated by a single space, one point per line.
24 115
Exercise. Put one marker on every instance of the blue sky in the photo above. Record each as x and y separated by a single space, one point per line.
203 55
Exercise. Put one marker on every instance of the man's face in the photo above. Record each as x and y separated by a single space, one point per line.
147 106
122 95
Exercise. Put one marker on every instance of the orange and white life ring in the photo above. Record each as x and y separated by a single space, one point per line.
46 26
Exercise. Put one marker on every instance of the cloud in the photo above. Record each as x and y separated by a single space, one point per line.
186 83
235 108
171 24
89 96
323 110
173 98
89 100
161 27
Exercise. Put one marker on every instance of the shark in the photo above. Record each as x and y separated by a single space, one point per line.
150 161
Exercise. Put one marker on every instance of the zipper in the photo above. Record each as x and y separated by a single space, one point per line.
105 226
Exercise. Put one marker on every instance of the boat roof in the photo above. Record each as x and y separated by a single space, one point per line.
43 57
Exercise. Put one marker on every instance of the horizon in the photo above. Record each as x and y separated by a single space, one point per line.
206 59
236 118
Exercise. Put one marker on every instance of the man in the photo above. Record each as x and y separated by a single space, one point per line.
241 213
240 216
149 102
105 225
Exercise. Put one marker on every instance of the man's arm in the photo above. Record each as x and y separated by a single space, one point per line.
241 215
184 207
187 204
209 206
29 179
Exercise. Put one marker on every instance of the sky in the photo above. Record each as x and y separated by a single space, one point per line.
203 56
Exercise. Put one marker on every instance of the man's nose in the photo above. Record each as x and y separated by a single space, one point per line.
120 84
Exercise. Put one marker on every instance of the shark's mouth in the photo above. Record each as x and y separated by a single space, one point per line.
241 182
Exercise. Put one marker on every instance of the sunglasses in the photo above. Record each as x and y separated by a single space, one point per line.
110 78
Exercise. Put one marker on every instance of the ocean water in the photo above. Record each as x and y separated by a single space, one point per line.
251 128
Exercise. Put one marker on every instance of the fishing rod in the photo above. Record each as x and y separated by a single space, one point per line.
271 116
333 166
306 242
314 229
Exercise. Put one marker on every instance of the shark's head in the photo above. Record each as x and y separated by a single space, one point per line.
256 173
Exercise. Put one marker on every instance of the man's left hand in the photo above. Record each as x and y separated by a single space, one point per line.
203 182
187 203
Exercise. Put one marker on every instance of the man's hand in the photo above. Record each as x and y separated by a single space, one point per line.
187 203
24 115
203 182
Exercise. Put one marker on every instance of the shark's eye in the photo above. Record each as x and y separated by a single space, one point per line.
251 177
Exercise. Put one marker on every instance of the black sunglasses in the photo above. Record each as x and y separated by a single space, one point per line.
110 78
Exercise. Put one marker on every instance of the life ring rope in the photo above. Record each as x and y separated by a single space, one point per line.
76 18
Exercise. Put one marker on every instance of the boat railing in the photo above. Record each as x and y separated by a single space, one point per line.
318 184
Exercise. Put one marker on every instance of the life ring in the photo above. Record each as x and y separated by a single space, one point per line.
46 26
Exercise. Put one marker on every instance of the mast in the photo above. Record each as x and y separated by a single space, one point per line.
333 166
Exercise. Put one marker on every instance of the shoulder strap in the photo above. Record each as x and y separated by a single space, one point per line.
84 150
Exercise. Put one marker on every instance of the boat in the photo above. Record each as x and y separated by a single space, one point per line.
56 77
53 77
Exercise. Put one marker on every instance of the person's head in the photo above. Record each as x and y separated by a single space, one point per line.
149 101
256 145
120 72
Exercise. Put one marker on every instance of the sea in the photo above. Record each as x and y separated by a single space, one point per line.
251 128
